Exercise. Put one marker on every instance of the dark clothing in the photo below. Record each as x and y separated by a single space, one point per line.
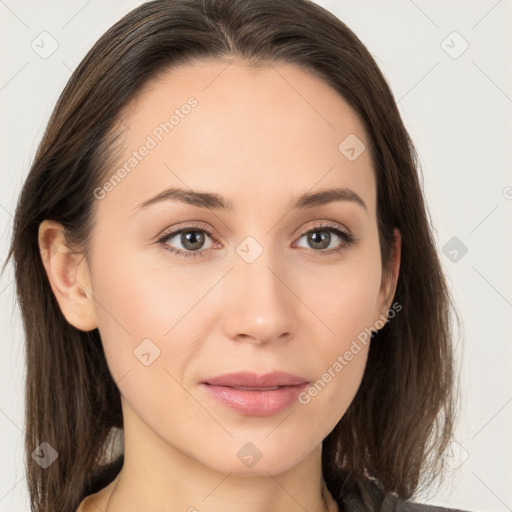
367 498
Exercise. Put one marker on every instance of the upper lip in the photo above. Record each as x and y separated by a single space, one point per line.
255 380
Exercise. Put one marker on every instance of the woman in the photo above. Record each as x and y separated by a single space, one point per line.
230 289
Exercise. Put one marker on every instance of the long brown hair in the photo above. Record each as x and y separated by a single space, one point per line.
401 419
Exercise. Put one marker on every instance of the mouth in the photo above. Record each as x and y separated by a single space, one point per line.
245 388
254 394
257 381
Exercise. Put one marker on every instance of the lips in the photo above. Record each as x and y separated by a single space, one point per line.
254 394
256 381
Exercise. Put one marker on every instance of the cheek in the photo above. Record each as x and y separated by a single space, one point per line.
344 299
126 310
325 402
148 337
148 312
345 296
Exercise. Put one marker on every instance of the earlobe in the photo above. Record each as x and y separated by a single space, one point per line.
68 275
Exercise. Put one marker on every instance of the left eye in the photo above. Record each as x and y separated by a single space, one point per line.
321 238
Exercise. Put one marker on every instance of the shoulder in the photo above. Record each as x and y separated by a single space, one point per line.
368 497
393 504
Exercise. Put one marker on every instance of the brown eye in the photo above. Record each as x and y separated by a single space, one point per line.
190 241
322 239
319 239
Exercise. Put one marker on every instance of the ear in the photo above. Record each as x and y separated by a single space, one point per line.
390 276
69 277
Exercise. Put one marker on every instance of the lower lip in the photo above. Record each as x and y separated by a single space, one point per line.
256 403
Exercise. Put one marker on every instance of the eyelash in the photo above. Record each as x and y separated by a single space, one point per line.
348 239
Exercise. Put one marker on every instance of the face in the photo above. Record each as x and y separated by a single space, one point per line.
190 289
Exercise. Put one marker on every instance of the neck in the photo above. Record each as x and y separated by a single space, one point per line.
156 476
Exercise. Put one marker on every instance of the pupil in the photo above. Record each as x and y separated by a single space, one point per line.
322 240
191 238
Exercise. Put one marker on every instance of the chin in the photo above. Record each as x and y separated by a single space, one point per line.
258 455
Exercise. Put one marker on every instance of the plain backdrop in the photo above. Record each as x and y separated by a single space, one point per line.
448 64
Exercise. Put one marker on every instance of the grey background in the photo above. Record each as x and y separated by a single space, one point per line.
457 107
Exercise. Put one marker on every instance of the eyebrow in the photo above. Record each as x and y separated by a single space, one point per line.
213 201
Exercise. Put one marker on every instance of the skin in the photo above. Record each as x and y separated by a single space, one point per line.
260 137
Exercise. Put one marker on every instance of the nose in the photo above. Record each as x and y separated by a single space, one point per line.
262 306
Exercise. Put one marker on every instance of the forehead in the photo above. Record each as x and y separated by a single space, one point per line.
220 125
